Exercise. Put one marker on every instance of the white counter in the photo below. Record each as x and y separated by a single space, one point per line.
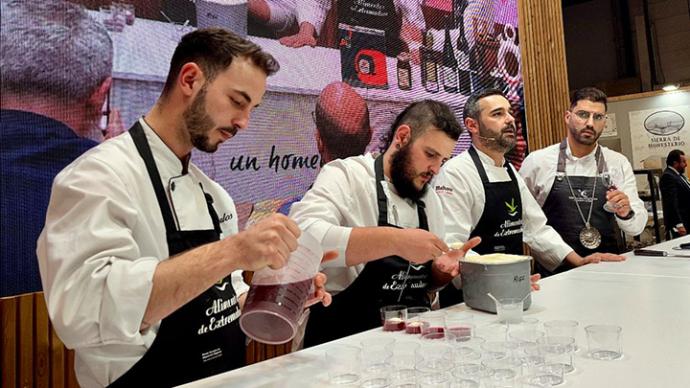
648 297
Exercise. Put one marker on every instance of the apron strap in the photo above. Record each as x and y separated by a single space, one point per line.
211 210
139 137
601 163
383 201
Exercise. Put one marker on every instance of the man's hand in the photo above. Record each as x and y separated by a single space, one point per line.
418 245
304 37
601 256
534 282
320 294
682 231
620 202
267 243
449 263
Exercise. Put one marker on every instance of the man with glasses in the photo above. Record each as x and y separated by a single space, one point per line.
483 195
574 180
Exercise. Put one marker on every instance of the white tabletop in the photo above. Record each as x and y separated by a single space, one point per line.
648 297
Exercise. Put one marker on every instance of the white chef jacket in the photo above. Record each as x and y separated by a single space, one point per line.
103 238
539 171
344 197
462 195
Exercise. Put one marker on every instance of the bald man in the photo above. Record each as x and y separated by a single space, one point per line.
342 126
342 122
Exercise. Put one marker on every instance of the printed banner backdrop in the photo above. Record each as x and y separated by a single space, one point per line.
392 52
656 132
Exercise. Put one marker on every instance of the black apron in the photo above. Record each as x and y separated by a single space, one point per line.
203 337
376 14
381 283
500 225
562 214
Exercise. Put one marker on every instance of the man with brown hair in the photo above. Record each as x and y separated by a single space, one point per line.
140 256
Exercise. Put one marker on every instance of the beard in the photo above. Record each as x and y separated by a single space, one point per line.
199 124
577 135
403 174
500 142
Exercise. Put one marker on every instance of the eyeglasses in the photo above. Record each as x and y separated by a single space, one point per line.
585 115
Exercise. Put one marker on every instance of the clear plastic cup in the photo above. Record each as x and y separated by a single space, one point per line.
493 332
434 380
276 298
506 373
509 310
414 319
343 363
460 324
404 353
433 322
393 317
473 371
526 335
558 350
545 375
434 357
604 341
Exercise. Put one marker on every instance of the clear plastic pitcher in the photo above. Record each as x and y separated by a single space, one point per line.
276 298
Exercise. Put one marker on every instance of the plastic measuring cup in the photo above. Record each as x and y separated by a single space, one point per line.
276 298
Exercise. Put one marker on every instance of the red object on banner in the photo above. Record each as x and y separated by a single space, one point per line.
437 13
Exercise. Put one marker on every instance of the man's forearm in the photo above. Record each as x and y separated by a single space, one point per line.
370 243
184 277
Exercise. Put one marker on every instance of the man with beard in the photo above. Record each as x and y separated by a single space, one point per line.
387 227
140 256
569 181
482 194
674 187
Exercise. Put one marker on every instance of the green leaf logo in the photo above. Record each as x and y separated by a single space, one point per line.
512 207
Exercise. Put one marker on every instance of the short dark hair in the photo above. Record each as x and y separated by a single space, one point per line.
340 142
674 157
471 109
421 115
590 94
214 49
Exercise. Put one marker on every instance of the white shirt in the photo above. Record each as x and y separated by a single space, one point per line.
103 238
539 171
315 11
462 195
344 197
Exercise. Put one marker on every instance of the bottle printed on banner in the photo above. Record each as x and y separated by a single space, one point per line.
429 64
450 66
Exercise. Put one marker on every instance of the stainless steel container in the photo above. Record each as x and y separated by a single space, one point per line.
502 280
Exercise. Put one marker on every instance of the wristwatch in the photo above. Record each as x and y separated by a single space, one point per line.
629 216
